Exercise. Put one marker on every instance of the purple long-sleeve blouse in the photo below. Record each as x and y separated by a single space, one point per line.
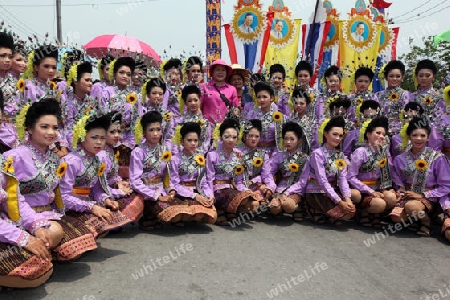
220 166
112 170
114 99
325 173
146 163
427 172
364 172
267 141
187 169
286 164
36 172
83 172
392 102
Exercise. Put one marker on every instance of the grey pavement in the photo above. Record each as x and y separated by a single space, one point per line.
256 260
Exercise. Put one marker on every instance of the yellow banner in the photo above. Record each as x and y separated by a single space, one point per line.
283 45
359 45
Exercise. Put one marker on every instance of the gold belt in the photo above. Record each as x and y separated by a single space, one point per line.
152 180
81 191
370 182
189 183
221 181
446 149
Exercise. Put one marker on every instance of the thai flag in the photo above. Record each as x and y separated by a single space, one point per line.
313 39
250 56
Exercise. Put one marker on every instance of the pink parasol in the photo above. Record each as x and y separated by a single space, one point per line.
121 45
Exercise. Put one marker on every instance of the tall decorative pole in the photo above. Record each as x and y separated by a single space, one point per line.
213 32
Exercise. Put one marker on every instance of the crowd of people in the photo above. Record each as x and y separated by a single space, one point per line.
83 158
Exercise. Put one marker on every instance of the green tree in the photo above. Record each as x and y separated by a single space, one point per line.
440 56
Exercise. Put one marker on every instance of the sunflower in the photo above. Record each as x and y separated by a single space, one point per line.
293 168
312 97
8 167
20 85
421 165
101 170
200 160
61 170
257 162
427 100
238 170
393 97
382 162
116 156
53 85
277 116
166 156
359 101
340 164
178 93
167 116
131 98
345 132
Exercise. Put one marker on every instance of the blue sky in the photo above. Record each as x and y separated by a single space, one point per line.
179 25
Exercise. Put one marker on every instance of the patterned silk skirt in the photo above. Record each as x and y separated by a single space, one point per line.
229 199
320 204
77 239
21 269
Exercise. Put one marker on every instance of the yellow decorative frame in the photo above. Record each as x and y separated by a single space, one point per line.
347 29
251 37
289 37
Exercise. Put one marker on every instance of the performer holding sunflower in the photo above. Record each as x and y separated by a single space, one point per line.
268 115
224 173
84 187
148 168
369 172
39 172
76 102
130 204
120 97
187 169
422 178
327 191
257 165
288 165
394 98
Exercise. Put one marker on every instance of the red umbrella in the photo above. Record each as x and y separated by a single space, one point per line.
121 45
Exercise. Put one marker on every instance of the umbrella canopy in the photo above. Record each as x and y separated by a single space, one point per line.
121 45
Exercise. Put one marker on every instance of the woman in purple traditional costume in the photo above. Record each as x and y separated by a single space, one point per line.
149 176
277 75
422 178
224 173
26 259
76 102
304 72
130 204
393 98
369 172
287 166
305 117
327 191
171 71
187 175
84 187
11 88
268 116
38 172
190 98
363 78
257 166
119 97
103 73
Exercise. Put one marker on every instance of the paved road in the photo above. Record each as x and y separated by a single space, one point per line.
256 260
